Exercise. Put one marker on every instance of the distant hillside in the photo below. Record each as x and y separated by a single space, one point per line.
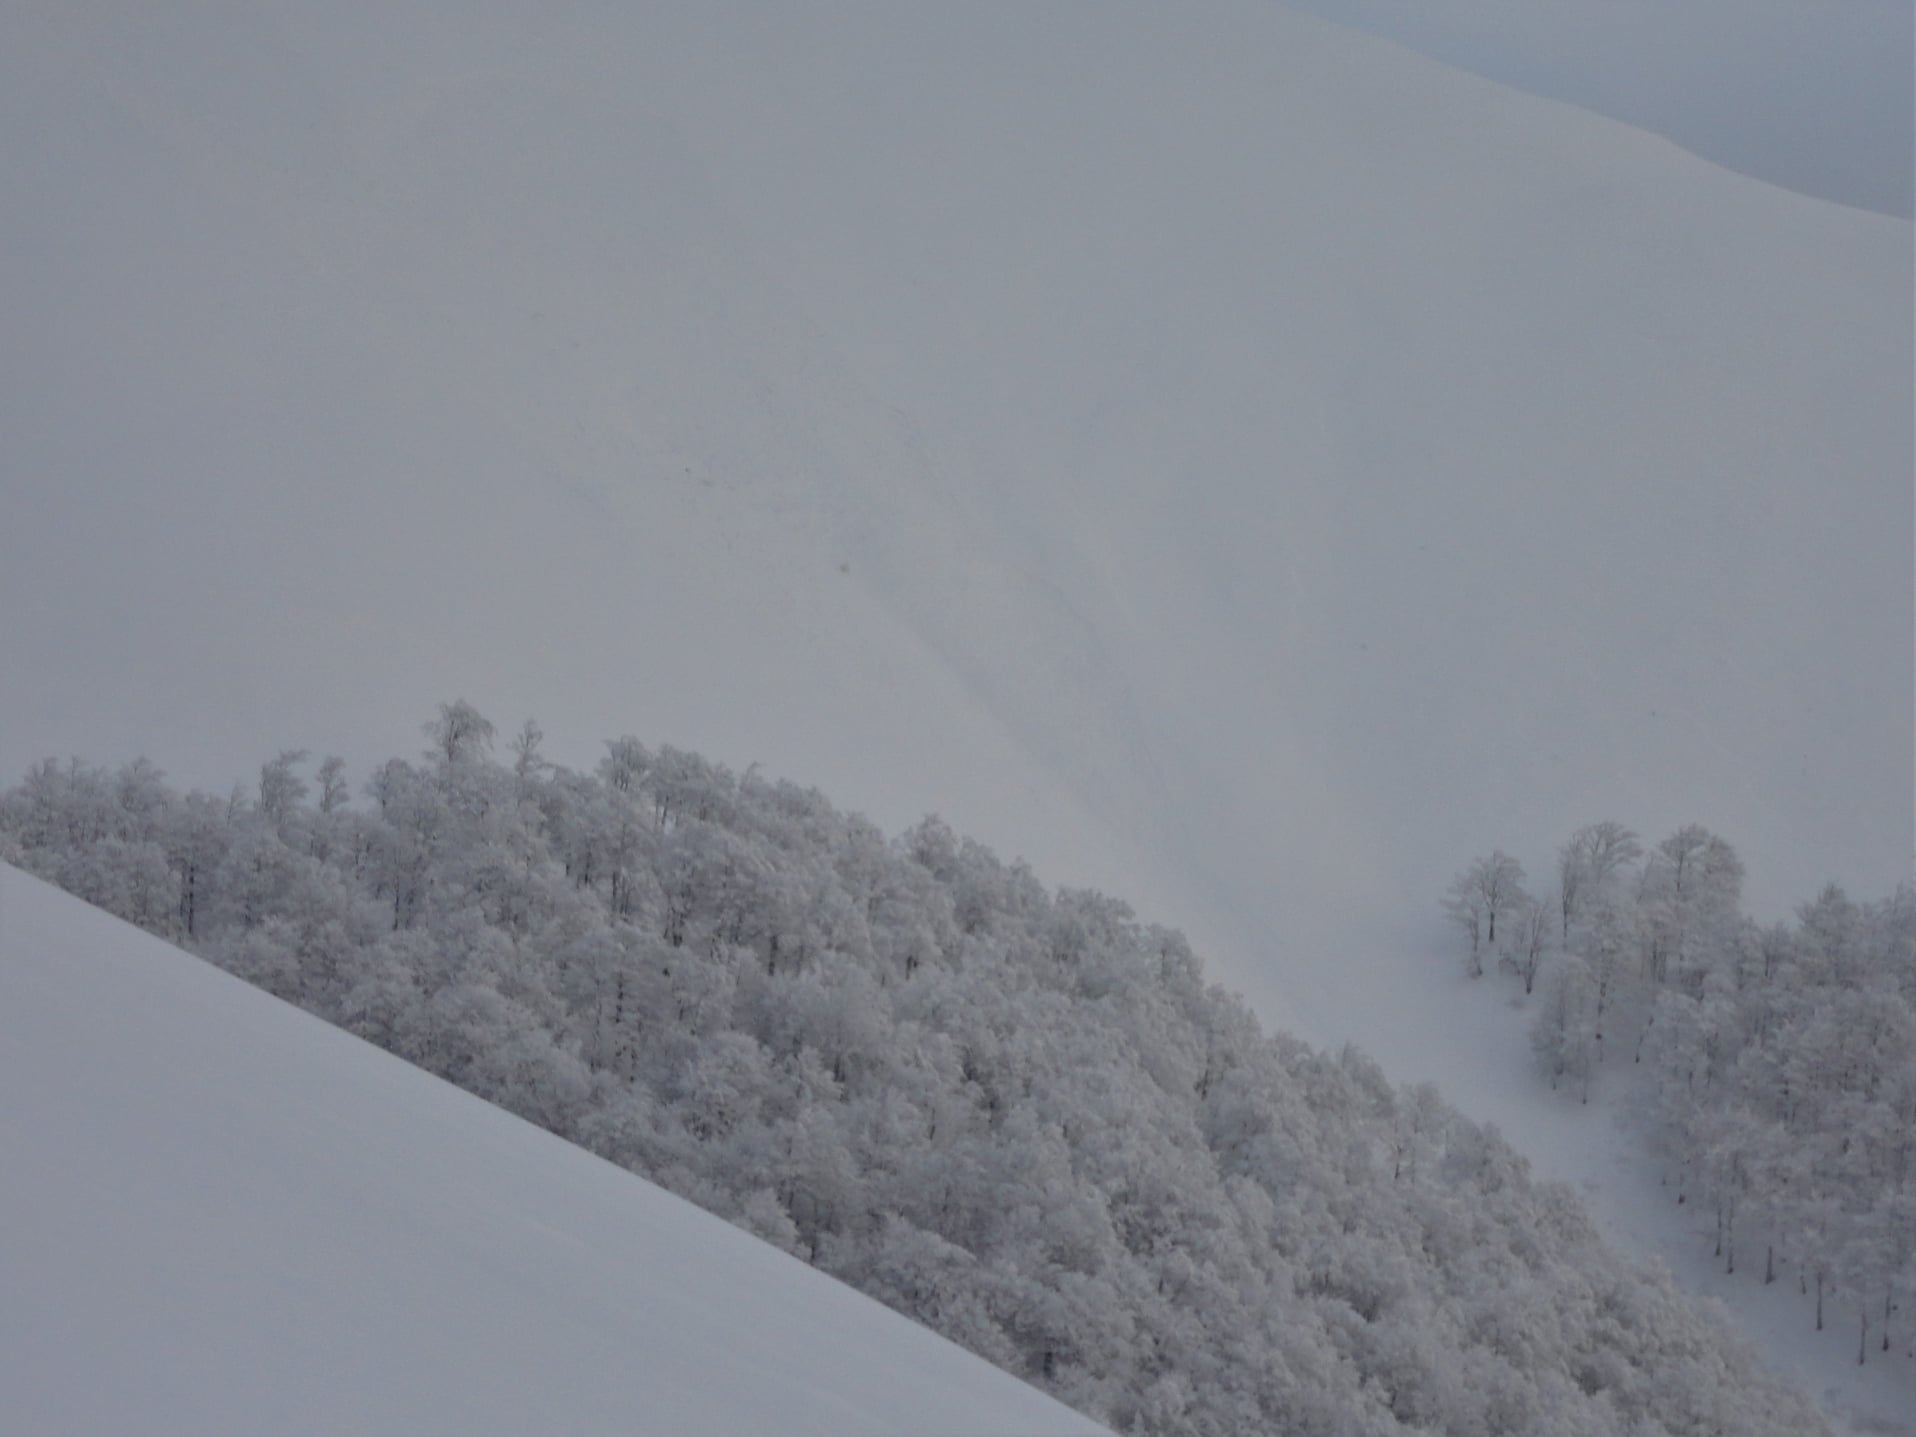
1017 1116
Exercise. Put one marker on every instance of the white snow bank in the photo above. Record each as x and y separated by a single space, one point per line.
222 1217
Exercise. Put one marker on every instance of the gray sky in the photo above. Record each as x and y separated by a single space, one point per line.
1814 95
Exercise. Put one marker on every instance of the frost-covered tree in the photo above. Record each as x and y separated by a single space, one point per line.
1781 1062
459 732
527 761
1589 864
1490 888
281 789
1021 1116
1568 1030
1688 896
1530 943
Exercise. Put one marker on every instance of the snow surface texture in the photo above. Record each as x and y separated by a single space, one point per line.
1234 462
224 1217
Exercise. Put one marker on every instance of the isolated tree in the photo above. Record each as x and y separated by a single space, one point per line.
1488 889
1531 942
460 732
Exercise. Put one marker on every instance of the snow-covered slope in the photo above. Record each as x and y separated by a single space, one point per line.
1231 461
1232 454
222 1216
1816 98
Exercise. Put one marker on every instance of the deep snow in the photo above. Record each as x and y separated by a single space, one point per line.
1231 461
224 1217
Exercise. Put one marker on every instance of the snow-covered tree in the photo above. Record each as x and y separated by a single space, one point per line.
1023 1116
1490 888
1782 1061
1530 943
459 732
1593 860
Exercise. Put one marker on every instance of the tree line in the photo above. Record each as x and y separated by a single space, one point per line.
1019 1116
1781 1059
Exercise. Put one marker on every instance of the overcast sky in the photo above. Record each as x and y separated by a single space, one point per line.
1814 95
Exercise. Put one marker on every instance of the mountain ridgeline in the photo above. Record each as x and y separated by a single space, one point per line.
1021 1117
